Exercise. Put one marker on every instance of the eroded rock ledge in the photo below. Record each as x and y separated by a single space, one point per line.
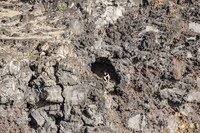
53 54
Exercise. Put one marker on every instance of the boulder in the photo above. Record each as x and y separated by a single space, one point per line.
194 27
53 94
74 95
37 118
193 96
7 90
134 122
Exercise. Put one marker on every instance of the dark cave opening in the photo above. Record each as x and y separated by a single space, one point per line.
102 65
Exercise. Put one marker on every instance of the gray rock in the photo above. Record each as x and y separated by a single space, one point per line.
7 90
88 121
25 75
12 68
68 73
193 96
134 122
110 15
90 111
77 27
137 2
173 125
64 51
19 98
32 96
53 94
99 120
144 123
151 29
67 112
186 109
5 112
99 130
26 18
68 78
38 9
67 127
50 127
194 27
174 95
37 118
74 95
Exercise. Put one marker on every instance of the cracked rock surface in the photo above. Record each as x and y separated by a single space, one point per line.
53 55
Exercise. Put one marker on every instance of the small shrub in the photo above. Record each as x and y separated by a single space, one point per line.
48 22
62 6
30 54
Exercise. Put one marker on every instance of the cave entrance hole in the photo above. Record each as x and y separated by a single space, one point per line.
102 65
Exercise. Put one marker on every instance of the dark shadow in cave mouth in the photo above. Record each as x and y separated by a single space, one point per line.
102 65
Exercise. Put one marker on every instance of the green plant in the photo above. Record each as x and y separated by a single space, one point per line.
30 54
36 54
62 6
48 22
72 41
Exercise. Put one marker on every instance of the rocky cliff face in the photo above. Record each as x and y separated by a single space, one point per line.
53 55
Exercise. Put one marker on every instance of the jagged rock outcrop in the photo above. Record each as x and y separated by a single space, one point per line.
53 55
